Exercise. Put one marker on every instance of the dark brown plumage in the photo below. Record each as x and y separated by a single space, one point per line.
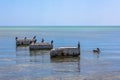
96 50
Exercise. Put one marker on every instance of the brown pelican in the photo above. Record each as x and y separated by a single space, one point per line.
96 50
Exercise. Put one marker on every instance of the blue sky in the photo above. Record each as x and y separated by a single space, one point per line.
59 12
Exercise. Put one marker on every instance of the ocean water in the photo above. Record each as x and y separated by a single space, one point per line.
18 63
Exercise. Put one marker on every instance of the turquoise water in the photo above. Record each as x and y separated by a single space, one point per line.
21 64
63 28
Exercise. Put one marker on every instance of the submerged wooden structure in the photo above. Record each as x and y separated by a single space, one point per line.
41 46
65 51
25 41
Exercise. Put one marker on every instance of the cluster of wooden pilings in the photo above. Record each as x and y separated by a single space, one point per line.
54 52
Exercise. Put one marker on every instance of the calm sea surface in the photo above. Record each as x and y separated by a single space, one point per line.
18 63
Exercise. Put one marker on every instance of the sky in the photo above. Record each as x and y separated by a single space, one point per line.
59 12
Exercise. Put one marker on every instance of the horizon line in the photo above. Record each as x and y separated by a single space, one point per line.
58 25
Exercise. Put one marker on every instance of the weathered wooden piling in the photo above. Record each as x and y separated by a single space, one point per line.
65 51
25 41
41 46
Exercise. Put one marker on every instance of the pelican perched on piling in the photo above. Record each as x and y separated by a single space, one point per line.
25 41
42 40
16 38
34 37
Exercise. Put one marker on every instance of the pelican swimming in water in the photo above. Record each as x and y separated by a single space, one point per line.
96 50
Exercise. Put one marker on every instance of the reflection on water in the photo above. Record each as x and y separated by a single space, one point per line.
39 56
97 54
39 52
65 59
52 66
20 48
71 64
65 65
